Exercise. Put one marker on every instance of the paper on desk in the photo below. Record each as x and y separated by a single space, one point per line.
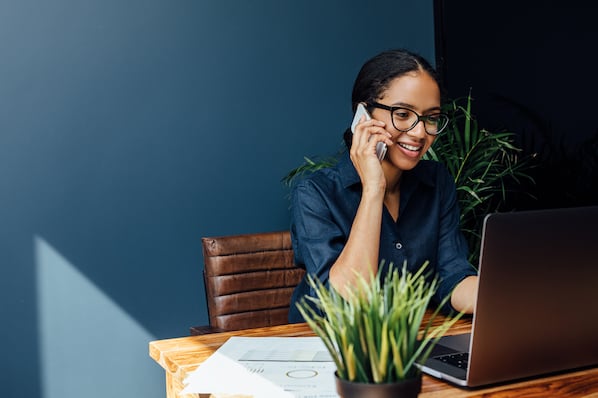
266 367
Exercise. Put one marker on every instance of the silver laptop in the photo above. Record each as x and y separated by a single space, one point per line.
537 306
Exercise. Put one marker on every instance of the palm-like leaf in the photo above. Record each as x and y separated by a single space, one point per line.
484 166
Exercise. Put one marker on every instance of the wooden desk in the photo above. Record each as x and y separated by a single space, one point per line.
180 356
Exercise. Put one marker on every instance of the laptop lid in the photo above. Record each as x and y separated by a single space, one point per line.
536 309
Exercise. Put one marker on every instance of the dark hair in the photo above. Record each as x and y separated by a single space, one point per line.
378 72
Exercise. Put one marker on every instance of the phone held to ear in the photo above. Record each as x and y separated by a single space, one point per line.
361 111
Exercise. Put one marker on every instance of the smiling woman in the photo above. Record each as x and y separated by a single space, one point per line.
361 215
487 168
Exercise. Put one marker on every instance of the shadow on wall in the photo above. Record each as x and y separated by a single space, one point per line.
88 344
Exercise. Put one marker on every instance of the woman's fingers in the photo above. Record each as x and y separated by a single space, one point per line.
367 134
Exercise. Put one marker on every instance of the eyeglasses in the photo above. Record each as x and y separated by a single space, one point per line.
405 119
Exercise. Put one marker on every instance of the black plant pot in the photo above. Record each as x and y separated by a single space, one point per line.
409 388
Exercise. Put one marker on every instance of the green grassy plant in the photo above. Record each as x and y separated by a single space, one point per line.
486 167
374 335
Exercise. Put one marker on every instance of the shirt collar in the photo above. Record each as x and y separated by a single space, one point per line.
348 173
421 173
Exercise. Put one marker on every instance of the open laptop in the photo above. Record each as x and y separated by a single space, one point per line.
537 306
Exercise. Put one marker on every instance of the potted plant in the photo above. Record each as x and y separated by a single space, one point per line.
376 335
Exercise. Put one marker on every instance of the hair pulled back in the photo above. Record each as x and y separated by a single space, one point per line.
378 72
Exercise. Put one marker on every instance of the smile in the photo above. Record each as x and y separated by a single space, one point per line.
409 147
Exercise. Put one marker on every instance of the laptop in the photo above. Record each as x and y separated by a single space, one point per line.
537 307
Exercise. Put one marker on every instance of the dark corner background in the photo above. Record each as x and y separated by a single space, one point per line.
531 70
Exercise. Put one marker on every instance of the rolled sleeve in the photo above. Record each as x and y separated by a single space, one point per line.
453 266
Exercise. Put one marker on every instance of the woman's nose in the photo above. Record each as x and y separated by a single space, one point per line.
419 130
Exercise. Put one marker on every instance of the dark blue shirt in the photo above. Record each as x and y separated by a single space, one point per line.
325 203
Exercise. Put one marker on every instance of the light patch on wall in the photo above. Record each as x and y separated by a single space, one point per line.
89 346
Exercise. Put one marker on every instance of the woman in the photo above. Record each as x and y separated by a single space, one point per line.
365 213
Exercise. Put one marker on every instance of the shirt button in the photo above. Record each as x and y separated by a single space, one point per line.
398 246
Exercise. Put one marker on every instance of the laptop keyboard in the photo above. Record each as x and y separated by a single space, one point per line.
459 360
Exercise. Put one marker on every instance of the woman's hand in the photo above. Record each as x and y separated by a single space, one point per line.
464 295
363 152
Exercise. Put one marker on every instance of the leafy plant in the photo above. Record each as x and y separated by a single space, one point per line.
485 167
309 166
374 334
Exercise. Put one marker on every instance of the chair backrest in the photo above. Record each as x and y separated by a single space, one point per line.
249 279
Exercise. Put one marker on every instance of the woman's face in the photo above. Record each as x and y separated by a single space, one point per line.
418 92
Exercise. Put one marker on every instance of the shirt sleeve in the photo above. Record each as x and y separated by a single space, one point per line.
453 265
317 233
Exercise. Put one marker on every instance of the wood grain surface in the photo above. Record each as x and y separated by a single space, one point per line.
180 356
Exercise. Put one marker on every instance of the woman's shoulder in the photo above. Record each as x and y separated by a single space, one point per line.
337 174
325 178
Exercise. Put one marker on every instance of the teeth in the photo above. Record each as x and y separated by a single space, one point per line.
409 147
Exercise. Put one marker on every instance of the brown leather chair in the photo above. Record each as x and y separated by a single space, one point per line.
248 280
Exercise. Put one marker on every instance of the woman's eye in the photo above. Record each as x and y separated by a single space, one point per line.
433 118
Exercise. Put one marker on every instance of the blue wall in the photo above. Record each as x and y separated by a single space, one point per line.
128 130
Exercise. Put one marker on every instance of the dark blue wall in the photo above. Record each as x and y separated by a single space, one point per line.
128 130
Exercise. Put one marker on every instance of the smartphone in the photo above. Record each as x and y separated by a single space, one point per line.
361 111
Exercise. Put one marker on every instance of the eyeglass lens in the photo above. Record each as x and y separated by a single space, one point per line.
405 119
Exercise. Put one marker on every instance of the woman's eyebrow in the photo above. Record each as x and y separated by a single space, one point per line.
402 105
410 106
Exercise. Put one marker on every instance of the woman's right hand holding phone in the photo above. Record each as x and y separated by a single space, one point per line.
366 135
360 254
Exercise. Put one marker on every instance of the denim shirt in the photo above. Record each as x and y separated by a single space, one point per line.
324 204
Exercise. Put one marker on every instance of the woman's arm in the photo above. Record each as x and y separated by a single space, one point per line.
360 254
458 276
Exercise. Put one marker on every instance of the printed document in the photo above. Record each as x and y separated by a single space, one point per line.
266 367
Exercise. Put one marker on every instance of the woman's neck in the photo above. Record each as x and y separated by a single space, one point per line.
392 194
393 178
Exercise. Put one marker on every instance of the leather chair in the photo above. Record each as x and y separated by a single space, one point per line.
248 280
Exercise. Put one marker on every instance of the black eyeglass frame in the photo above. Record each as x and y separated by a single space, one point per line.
422 118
